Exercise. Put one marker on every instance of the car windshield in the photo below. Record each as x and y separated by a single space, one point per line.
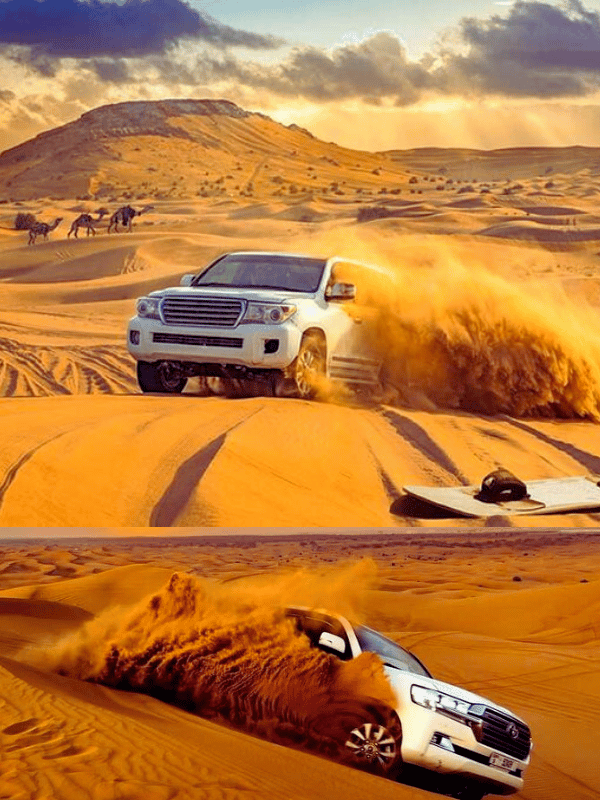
264 271
390 652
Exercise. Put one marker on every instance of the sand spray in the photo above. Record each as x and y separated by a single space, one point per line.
453 333
226 651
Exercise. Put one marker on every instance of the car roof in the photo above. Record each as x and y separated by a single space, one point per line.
272 253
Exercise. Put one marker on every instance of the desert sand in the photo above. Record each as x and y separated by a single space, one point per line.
512 615
489 332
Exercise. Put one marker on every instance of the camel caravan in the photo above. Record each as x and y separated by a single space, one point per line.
122 217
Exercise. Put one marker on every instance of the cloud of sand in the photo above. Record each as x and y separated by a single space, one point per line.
453 334
227 651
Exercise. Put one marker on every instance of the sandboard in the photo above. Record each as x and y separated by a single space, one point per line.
548 496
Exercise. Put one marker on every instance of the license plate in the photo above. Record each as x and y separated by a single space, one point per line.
502 762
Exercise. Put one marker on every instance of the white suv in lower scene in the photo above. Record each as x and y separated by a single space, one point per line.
278 318
451 740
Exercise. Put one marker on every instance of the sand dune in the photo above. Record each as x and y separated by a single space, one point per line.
493 311
530 645
192 461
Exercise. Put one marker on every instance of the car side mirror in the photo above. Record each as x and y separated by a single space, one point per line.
332 642
186 280
341 291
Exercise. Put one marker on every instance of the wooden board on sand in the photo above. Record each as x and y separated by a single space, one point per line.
548 496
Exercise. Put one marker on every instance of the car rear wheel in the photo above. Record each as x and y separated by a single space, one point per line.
160 376
308 370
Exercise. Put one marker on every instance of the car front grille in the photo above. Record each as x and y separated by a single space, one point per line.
198 341
504 733
202 311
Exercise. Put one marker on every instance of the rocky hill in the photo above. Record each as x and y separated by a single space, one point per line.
210 148
178 148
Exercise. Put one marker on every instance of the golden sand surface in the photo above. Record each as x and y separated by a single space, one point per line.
491 346
510 614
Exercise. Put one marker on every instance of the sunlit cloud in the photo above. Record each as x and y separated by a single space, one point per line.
86 53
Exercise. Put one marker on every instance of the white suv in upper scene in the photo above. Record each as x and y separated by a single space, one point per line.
475 746
278 318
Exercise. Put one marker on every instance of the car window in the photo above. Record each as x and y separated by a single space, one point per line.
264 271
314 625
390 652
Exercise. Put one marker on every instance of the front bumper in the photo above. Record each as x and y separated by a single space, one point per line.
251 346
446 746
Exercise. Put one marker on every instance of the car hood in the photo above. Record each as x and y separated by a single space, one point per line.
400 678
244 293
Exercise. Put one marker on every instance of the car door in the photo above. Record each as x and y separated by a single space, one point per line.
353 356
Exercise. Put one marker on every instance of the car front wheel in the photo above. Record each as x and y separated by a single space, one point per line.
368 737
160 376
308 369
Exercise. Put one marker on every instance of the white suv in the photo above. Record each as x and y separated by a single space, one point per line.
475 746
279 318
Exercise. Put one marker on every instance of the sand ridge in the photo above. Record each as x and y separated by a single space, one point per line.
511 615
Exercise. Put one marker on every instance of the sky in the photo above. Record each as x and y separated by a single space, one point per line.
369 75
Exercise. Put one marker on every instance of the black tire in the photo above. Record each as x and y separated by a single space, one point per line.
469 792
160 376
308 369
367 736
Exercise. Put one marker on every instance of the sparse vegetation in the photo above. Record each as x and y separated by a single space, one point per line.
369 213
24 221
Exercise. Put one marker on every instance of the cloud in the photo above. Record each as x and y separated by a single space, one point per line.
88 53
131 28
376 68
538 50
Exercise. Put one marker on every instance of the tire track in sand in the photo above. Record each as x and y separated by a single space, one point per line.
418 438
587 460
13 470
186 479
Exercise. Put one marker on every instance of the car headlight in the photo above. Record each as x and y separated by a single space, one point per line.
440 702
268 313
148 307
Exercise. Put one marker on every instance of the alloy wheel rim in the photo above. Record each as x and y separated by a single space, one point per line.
169 376
306 371
372 744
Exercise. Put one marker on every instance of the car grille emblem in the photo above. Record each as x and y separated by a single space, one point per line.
512 730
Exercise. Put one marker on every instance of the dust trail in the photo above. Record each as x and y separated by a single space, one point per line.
453 334
227 651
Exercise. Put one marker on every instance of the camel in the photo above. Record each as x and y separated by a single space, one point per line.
124 216
42 229
86 221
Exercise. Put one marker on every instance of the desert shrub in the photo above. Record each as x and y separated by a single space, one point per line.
367 213
23 222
